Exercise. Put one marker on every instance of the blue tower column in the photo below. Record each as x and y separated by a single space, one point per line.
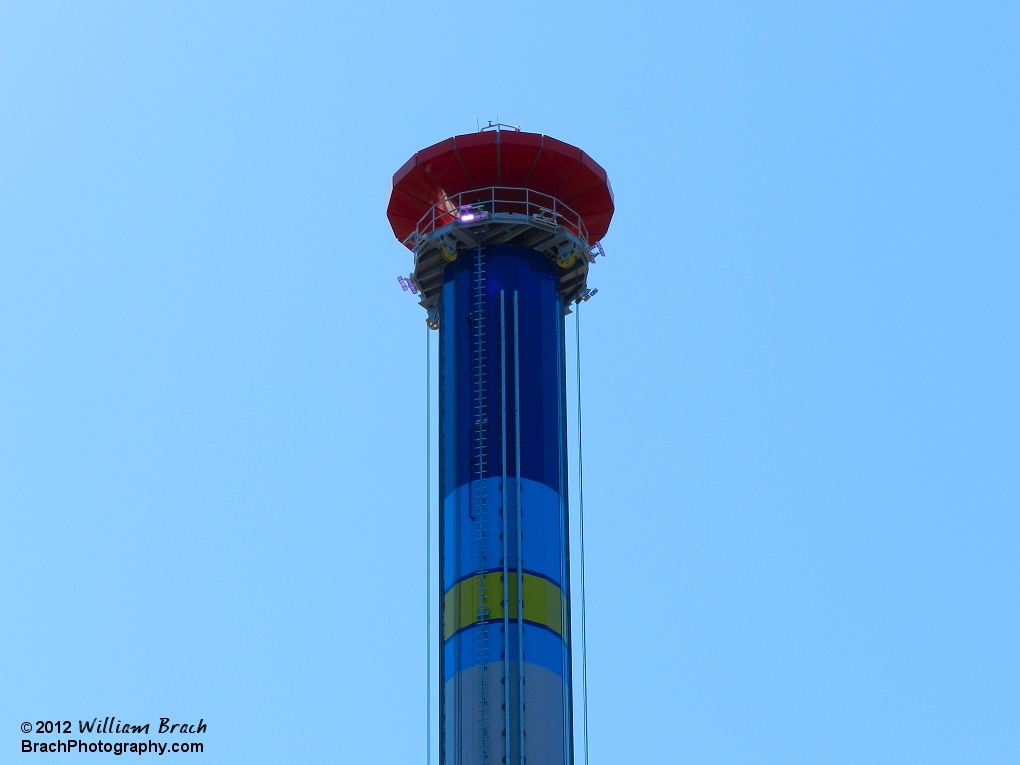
505 605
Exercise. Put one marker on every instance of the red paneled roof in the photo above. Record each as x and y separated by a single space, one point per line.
500 158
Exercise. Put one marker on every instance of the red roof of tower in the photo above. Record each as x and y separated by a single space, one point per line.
500 158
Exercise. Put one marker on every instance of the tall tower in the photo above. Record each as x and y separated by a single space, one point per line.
503 226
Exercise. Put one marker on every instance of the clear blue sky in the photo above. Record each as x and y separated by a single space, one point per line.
801 370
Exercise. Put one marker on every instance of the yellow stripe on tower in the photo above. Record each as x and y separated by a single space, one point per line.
544 602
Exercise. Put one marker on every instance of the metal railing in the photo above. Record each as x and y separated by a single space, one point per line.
499 200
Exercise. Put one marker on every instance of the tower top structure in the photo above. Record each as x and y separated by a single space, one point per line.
500 186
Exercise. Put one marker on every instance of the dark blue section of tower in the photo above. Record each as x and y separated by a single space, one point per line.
504 565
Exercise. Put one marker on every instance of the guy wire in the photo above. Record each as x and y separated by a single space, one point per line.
580 517
428 546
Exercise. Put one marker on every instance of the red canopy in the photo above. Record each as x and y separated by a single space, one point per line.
500 158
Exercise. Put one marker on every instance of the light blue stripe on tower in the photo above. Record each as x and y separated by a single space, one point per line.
541 511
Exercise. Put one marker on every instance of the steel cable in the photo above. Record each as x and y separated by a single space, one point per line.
580 517
428 546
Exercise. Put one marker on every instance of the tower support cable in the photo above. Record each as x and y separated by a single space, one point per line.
428 546
580 518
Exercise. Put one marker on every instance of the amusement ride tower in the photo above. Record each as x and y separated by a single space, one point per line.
504 226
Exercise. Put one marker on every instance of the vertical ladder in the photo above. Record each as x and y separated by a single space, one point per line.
480 426
520 534
507 734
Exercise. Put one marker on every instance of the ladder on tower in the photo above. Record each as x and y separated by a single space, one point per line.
480 427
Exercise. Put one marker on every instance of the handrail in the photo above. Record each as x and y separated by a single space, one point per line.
500 200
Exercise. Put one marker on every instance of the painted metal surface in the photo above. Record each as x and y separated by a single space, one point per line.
504 567
500 158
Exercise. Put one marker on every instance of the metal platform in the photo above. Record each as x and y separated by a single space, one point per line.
499 186
499 215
